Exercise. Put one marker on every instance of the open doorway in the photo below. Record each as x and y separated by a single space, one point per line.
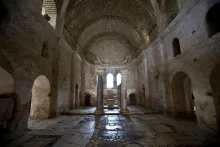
183 98
40 98
87 100
132 99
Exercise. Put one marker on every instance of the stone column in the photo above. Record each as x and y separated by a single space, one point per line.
99 103
114 81
124 109
119 95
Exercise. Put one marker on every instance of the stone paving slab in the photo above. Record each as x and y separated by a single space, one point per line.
162 128
133 110
113 130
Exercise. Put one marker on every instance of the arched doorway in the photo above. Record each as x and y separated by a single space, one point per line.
215 85
183 99
87 100
40 98
132 98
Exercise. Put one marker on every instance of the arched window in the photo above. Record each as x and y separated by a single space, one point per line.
176 47
49 11
118 79
213 20
109 81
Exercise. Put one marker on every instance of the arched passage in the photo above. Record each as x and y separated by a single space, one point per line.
215 85
40 98
183 99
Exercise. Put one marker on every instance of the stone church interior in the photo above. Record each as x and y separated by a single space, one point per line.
109 73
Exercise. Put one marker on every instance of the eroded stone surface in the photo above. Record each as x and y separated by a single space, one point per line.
113 130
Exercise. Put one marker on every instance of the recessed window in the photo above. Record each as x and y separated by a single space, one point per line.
49 11
176 47
109 81
213 20
45 50
118 79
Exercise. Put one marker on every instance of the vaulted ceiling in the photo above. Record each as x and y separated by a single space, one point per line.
112 32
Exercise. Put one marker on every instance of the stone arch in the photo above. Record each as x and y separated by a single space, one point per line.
183 100
7 95
7 82
215 85
213 20
40 98
176 47
49 11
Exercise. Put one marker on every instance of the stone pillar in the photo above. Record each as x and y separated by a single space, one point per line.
147 82
71 99
99 103
114 81
119 95
124 109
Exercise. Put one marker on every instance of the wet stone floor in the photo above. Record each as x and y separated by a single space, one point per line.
114 131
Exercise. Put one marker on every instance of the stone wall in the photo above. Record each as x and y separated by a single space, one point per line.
30 47
64 78
199 56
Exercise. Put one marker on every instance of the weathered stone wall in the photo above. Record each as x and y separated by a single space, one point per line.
30 47
90 82
64 78
199 56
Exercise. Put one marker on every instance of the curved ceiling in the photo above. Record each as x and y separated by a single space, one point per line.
109 51
110 26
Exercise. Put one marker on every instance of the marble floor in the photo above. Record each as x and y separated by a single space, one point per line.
133 109
114 131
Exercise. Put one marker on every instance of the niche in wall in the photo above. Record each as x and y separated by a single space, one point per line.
213 20
176 47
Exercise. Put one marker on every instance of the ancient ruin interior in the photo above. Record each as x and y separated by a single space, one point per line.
99 73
